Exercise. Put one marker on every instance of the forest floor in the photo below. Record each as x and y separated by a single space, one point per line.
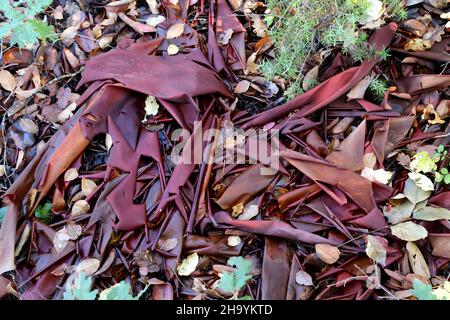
175 149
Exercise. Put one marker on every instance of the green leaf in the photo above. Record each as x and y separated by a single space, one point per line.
438 177
444 171
447 179
422 291
24 35
80 288
3 212
232 282
45 31
120 291
43 213
440 149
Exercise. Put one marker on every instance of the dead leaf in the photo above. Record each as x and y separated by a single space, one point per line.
224 37
68 35
432 214
303 278
259 27
242 86
409 231
358 91
175 31
237 209
252 67
250 211
417 261
233 241
167 244
89 266
418 45
172 50
188 265
327 253
155 20
399 213
28 125
376 249
108 141
413 193
87 186
422 181
70 232
71 174
310 78
80 207
7 80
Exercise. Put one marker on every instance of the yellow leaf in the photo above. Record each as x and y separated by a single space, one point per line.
237 209
172 50
188 265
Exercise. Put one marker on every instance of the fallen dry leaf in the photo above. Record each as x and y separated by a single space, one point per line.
376 249
80 207
233 241
7 80
417 261
89 266
188 265
327 253
71 174
303 278
409 231
242 86
175 31
172 50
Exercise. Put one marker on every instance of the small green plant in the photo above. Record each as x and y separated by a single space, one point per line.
426 292
43 213
81 289
21 22
233 282
396 9
378 87
384 54
443 174
299 28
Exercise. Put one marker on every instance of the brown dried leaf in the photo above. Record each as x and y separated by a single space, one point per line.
417 261
167 244
71 174
418 45
80 207
7 80
376 249
28 125
242 86
327 253
175 31
87 186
